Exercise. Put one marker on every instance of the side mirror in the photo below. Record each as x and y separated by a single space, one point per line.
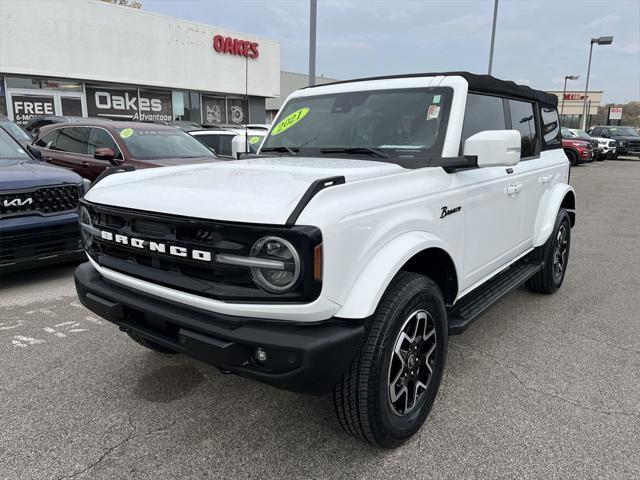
106 154
494 148
37 154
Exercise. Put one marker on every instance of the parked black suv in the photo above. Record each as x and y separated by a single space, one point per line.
627 138
38 210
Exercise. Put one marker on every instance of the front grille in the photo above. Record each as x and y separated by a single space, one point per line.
45 201
37 243
633 145
209 279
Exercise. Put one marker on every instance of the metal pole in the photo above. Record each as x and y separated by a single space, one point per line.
586 90
493 34
564 91
313 13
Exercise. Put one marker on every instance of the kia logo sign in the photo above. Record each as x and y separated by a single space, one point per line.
234 46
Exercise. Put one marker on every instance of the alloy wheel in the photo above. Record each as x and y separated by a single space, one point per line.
561 252
412 362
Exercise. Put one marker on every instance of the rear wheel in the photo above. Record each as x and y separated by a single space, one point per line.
151 345
555 254
388 392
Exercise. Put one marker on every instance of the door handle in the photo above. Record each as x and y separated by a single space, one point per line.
85 164
544 179
514 188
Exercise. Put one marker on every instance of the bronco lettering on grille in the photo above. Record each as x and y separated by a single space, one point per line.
159 247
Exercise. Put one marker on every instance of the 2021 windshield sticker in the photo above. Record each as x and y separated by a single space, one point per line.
126 133
290 120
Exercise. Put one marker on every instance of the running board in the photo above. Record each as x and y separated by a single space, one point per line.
471 306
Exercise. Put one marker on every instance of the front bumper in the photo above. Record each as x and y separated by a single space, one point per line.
300 357
33 242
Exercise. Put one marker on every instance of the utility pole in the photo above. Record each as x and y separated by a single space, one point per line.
597 41
493 34
313 14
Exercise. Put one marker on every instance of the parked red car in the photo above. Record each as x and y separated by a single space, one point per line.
89 147
578 151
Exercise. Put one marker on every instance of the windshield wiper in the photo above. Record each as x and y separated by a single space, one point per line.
291 151
371 150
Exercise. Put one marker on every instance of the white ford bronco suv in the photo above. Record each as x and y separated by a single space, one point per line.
379 217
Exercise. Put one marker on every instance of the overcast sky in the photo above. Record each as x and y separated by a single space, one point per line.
538 42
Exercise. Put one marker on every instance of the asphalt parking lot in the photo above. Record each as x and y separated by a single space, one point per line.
540 387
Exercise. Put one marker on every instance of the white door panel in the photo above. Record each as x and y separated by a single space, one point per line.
492 221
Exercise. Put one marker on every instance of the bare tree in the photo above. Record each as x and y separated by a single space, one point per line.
125 3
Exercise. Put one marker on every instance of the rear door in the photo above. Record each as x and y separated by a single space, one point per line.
491 204
70 150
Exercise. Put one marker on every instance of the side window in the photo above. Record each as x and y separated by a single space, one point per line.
99 138
550 126
524 120
73 140
225 145
211 141
483 112
48 140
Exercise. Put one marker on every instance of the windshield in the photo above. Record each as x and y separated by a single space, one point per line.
15 131
626 131
582 134
150 143
407 123
10 150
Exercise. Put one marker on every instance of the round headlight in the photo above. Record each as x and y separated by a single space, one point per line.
284 272
86 227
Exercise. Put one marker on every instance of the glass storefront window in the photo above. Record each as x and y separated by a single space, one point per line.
186 106
238 112
44 83
214 110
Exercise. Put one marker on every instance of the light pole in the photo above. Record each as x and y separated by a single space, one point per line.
313 13
599 41
564 90
493 34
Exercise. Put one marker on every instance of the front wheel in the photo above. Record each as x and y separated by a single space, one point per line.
555 255
389 389
572 156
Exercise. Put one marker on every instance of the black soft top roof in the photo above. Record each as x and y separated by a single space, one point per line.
477 83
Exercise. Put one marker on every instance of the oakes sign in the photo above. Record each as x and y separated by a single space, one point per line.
127 105
235 46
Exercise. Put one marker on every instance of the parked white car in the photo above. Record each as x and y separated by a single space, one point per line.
382 216
606 147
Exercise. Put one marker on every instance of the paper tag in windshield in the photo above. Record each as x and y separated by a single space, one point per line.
436 99
290 120
126 133
433 112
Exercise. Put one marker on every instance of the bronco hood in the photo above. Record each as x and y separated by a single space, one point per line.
259 190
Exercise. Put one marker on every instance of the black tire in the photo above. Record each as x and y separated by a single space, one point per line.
573 157
150 344
554 252
363 399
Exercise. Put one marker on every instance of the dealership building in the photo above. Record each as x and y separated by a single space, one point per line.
571 105
91 58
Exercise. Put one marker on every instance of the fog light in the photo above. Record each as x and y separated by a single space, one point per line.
260 355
